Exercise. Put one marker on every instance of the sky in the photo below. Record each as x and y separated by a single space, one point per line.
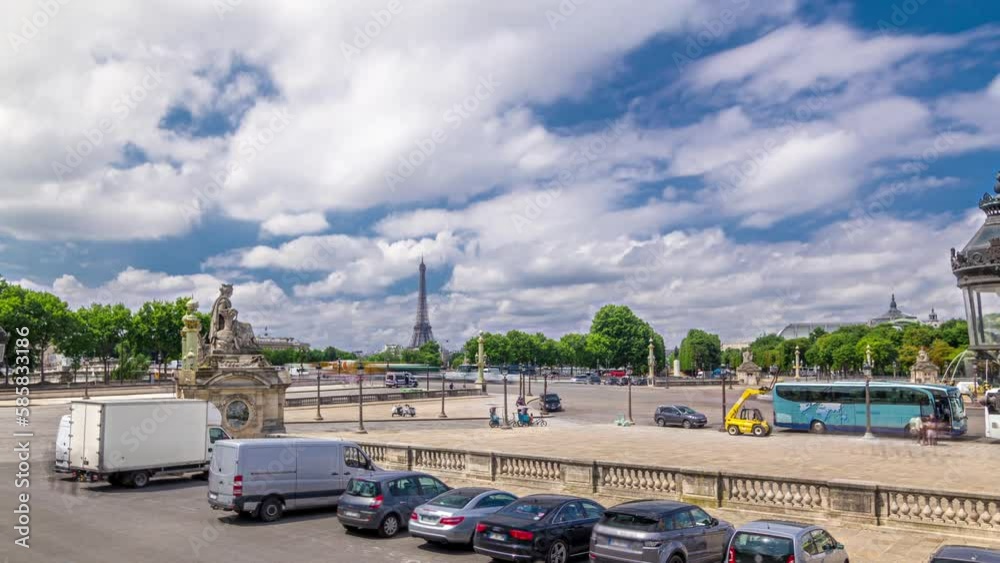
727 165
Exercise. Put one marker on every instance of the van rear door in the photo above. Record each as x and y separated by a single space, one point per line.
221 472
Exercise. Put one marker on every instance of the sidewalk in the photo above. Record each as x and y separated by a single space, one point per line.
953 466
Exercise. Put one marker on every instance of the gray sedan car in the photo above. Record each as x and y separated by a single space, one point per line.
679 415
385 501
452 517
775 541
658 531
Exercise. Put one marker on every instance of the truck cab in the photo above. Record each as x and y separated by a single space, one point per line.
395 380
993 414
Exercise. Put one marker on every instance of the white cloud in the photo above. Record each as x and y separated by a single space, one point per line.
297 224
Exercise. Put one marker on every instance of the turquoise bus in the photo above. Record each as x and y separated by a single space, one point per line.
840 407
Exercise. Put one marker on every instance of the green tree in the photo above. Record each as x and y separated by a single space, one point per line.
575 353
131 363
48 318
767 350
108 325
156 329
624 337
700 350
955 332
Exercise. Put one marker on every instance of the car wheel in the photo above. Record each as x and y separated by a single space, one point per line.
676 559
817 427
661 422
733 430
139 479
558 552
686 424
270 510
389 526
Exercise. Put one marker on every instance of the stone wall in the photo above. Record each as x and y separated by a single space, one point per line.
850 502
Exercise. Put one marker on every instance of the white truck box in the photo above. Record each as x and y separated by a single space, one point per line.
110 436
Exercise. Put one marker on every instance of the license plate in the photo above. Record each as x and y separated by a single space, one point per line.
614 542
430 519
352 514
213 496
497 537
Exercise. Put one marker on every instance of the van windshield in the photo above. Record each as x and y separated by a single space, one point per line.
365 489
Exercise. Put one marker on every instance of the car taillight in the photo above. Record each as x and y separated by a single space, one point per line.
791 559
414 517
453 521
522 535
238 486
480 528
732 555
376 502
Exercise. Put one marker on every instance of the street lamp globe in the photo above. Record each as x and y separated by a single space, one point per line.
977 271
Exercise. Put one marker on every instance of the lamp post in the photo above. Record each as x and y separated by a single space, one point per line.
506 418
361 399
652 363
868 393
629 377
444 362
797 363
4 338
723 428
319 401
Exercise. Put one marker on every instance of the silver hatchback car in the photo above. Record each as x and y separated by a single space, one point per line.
776 541
452 517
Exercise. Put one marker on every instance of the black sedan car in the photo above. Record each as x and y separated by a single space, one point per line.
551 402
553 528
679 415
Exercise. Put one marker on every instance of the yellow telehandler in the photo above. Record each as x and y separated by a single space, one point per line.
745 420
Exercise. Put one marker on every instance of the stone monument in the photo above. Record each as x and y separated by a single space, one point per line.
748 369
228 369
924 370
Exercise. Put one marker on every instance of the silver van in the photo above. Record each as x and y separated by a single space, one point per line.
265 477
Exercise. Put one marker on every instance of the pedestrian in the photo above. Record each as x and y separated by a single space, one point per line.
932 428
451 386
917 423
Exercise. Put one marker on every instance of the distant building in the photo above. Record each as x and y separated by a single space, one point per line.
894 316
932 320
392 348
268 342
803 330
736 345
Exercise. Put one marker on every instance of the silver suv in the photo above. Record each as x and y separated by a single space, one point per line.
385 501
776 541
657 531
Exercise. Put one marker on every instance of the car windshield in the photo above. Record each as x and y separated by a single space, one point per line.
366 489
551 397
686 410
771 548
453 499
529 509
630 521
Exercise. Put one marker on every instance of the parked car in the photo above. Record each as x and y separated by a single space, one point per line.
655 531
965 554
554 528
578 379
776 541
267 476
679 415
594 379
384 501
551 402
452 517
395 380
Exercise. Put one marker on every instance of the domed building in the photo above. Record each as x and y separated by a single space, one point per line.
894 316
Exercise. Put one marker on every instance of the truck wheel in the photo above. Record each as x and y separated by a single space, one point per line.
733 430
270 510
138 479
758 431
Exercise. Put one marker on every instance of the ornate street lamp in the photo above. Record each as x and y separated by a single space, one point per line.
977 271
4 338
481 361
652 363
868 393
506 418
319 415
797 363
361 399
444 362
629 377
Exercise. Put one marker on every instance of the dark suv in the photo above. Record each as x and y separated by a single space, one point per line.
963 554
551 402
655 531
679 415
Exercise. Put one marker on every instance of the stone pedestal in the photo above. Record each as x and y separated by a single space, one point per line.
748 373
251 399
924 371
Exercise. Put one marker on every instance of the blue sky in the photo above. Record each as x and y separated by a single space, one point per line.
727 165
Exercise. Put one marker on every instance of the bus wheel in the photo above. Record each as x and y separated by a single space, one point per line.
817 427
758 431
733 430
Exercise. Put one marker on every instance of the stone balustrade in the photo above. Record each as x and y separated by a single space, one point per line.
866 504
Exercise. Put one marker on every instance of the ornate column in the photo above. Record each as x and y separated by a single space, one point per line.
652 363
190 345
481 360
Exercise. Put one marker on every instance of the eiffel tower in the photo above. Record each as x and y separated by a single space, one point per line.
422 333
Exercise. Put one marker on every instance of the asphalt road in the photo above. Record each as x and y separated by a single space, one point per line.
169 521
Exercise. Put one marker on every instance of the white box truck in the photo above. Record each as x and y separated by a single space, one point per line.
127 442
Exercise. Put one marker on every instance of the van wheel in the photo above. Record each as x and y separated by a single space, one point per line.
817 427
733 430
270 510
389 526
138 479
